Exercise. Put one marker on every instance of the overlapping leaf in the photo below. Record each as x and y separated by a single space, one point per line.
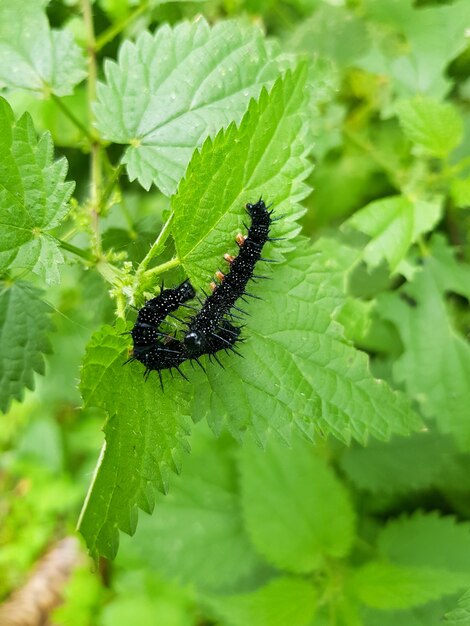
265 156
434 35
33 197
145 437
421 558
394 224
171 90
282 601
386 586
294 523
24 325
461 615
423 461
435 126
435 365
196 535
32 55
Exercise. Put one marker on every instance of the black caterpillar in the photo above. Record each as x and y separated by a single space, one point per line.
209 330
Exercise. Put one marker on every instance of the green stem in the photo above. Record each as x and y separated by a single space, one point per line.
96 151
110 33
157 246
164 267
369 149
110 186
68 113
83 254
423 249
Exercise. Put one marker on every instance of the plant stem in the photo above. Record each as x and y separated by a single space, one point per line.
110 186
110 33
68 113
157 246
369 149
159 269
83 254
96 154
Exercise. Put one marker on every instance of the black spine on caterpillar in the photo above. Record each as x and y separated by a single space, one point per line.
209 323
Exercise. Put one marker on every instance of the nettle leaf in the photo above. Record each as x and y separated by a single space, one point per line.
282 601
197 534
460 191
415 52
33 197
421 558
265 156
435 126
383 585
34 56
171 90
435 364
294 523
394 224
422 461
145 437
24 324
427 540
298 370
461 615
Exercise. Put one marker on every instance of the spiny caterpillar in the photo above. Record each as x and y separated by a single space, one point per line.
210 329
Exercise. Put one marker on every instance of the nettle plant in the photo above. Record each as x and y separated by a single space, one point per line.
215 117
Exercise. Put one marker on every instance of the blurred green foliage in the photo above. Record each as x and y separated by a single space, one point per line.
312 530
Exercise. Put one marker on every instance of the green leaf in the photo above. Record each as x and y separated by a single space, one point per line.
421 461
394 224
282 601
34 56
431 614
427 555
386 586
271 144
171 90
33 197
429 541
24 324
332 32
145 437
298 369
415 44
460 191
435 126
295 524
197 534
435 364
461 615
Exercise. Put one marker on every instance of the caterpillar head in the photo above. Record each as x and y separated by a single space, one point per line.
195 342
255 210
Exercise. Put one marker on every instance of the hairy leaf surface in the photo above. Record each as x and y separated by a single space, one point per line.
33 197
171 90
265 156
34 56
24 326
